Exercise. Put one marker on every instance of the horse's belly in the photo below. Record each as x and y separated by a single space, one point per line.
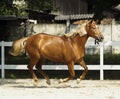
53 57
53 54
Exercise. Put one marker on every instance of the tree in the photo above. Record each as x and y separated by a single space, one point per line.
39 4
12 7
18 7
7 8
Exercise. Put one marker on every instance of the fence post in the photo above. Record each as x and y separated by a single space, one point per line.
3 60
101 61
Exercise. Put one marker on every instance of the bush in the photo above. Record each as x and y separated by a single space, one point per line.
113 59
92 59
89 59
109 59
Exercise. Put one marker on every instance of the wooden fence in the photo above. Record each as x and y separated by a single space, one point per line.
100 67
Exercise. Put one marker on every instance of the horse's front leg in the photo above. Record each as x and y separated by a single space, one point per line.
82 63
71 71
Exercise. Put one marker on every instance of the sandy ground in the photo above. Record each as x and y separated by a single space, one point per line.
86 89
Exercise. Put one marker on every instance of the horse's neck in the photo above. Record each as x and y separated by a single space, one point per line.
81 41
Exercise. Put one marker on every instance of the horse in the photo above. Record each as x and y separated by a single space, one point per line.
68 49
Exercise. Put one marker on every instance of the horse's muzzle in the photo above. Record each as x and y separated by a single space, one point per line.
100 39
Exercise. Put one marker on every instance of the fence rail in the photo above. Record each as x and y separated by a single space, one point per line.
100 67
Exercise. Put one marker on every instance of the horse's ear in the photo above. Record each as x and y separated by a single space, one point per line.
91 21
96 21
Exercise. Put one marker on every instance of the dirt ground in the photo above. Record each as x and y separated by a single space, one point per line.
86 89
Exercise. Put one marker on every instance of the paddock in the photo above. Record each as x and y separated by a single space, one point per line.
92 89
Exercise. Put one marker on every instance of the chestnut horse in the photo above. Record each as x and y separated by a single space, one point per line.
69 49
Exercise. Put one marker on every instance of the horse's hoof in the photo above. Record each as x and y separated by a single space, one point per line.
36 84
48 82
82 77
60 81
78 81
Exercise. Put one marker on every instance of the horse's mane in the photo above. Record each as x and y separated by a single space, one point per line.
79 30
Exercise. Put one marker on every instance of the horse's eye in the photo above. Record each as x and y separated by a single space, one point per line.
94 28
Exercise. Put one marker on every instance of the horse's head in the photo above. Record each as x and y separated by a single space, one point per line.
93 31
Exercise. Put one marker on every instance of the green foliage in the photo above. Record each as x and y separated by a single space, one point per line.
113 59
92 59
109 59
7 8
39 4
12 76
11 7
16 60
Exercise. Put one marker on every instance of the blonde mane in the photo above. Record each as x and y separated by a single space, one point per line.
79 30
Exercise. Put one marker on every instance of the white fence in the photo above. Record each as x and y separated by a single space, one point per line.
100 67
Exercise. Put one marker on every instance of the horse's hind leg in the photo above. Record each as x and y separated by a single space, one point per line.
30 66
82 63
39 68
71 71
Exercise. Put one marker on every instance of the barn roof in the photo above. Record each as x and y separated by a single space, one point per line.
73 17
42 15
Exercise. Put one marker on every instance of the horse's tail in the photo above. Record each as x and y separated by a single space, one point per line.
23 42
18 47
